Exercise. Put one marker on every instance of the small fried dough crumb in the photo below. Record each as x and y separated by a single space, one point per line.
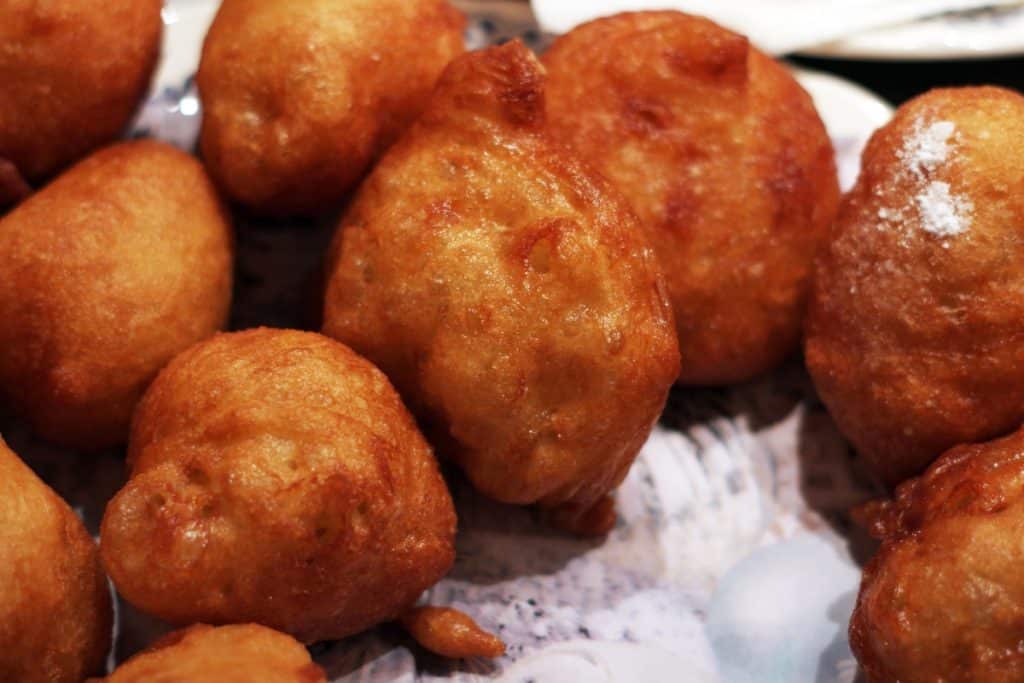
450 633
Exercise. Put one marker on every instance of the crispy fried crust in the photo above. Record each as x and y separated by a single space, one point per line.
71 76
243 653
914 339
277 478
300 97
725 161
106 274
55 608
507 292
944 597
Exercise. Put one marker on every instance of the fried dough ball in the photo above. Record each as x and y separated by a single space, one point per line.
300 97
914 326
727 164
508 293
55 608
277 478
105 275
229 654
72 73
943 600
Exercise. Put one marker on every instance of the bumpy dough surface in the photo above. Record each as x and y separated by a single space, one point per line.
300 97
277 478
243 653
55 613
507 291
914 339
105 275
725 161
943 600
71 75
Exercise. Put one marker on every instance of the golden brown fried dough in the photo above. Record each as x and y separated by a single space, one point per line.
55 614
300 97
244 653
71 75
508 293
943 600
915 324
106 274
727 164
277 478
450 633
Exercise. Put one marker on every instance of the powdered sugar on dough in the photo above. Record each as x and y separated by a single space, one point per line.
927 148
942 213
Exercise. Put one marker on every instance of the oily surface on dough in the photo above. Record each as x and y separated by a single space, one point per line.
914 335
71 75
942 599
508 293
300 97
105 274
55 607
277 478
241 653
727 164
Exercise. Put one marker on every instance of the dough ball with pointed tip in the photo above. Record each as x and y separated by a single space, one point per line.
508 292
277 478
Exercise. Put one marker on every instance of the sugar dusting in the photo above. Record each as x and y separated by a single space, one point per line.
927 147
942 212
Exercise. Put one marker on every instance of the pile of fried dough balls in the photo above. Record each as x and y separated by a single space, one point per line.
532 255
914 342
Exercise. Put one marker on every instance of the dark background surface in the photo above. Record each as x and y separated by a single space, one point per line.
899 81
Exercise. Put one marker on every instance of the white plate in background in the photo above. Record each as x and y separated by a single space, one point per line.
851 114
864 29
983 34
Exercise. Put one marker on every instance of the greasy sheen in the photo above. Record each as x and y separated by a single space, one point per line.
55 614
507 291
914 340
300 97
277 478
71 75
244 653
105 275
726 162
943 600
